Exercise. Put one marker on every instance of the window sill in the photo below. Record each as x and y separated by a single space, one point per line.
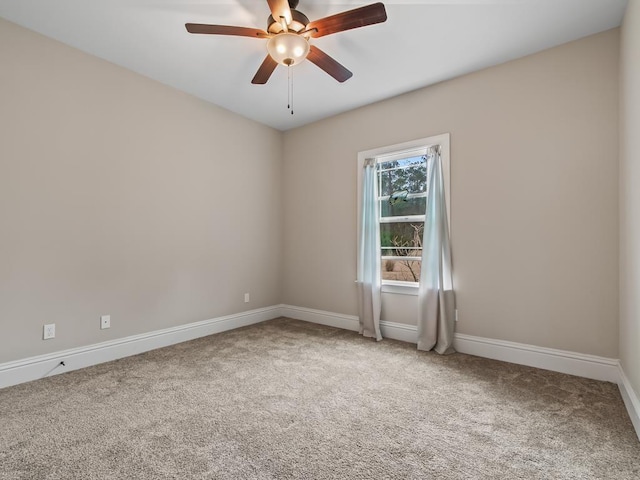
400 288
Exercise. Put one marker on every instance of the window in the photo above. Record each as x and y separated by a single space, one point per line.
402 201
402 195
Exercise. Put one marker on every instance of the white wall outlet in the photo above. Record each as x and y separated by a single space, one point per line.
49 331
456 314
246 298
105 322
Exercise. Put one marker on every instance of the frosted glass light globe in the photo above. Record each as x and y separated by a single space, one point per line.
288 48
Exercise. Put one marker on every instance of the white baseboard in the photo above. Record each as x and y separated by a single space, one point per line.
631 400
33 368
397 331
573 363
338 320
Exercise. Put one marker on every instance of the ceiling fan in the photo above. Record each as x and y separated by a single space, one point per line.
289 31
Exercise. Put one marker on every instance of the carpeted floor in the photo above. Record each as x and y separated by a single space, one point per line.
291 400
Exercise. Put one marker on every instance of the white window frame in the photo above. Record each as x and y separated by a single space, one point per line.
402 150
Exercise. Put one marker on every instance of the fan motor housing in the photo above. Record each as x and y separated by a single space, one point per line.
298 23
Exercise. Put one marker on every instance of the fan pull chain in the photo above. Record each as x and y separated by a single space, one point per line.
289 89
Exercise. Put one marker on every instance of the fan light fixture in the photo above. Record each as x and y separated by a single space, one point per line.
288 48
289 32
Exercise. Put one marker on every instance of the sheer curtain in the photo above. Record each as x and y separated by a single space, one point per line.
369 253
436 298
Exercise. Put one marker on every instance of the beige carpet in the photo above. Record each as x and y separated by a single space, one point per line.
292 400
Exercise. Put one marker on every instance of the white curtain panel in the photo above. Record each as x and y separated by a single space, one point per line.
369 252
436 298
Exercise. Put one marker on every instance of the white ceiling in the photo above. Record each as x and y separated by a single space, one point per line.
422 42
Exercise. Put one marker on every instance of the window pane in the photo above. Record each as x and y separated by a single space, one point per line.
401 270
411 206
412 178
404 238
401 240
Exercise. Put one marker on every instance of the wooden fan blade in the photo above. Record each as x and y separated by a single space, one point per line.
358 17
280 8
328 64
265 71
225 30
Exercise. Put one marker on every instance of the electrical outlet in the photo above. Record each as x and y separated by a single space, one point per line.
456 314
246 298
105 322
49 331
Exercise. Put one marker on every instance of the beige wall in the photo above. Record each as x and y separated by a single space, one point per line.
534 147
121 196
630 195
